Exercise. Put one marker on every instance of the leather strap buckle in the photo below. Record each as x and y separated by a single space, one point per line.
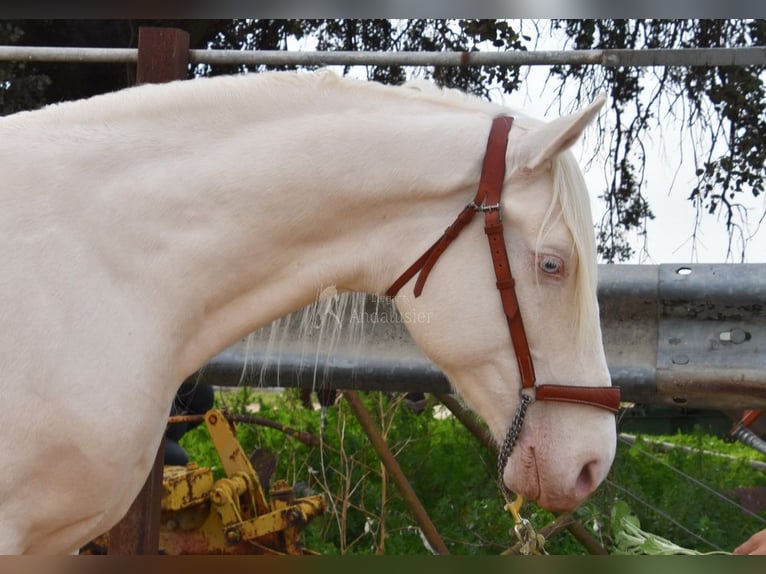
484 208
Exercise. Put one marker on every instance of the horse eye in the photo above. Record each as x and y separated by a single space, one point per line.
550 264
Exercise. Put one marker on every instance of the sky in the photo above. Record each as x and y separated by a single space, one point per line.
676 235
669 181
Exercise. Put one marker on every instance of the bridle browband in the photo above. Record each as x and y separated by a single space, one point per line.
487 201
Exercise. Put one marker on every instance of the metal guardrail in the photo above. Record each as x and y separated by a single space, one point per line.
691 335
683 335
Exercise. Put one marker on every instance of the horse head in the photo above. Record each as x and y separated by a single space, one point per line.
565 447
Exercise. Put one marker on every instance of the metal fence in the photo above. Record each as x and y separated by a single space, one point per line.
751 56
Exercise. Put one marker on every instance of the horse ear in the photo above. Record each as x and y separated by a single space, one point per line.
546 142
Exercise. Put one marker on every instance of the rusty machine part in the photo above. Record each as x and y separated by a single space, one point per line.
231 515
742 431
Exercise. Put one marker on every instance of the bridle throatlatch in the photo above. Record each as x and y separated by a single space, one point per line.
487 201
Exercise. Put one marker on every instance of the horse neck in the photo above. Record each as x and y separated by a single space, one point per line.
249 220
347 201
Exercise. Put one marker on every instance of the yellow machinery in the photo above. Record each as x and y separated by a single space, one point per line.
231 515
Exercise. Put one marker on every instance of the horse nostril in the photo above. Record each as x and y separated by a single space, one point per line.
586 482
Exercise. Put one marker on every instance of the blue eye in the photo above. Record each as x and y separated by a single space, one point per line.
550 264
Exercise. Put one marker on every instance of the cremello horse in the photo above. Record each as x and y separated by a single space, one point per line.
146 230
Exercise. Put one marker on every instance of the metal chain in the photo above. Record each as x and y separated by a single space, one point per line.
511 438
530 542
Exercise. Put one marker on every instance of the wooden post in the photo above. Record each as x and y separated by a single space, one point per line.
395 472
139 530
163 56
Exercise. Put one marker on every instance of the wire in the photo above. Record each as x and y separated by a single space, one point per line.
696 482
664 514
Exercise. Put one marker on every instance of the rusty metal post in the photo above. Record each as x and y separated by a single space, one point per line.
139 531
163 56
393 468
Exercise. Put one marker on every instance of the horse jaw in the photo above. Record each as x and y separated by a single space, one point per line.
564 451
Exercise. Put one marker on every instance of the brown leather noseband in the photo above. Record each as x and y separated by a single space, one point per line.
487 201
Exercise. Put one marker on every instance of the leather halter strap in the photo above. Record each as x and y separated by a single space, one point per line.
487 200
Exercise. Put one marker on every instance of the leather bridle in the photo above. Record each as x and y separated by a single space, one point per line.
487 201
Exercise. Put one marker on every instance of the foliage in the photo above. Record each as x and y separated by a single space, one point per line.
723 107
20 89
367 515
682 496
455 479
629 538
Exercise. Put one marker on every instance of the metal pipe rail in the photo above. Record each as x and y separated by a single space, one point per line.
683 335
750 56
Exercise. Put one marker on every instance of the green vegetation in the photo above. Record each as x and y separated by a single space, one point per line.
455 479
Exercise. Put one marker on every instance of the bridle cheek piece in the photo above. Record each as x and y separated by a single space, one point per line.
487 201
